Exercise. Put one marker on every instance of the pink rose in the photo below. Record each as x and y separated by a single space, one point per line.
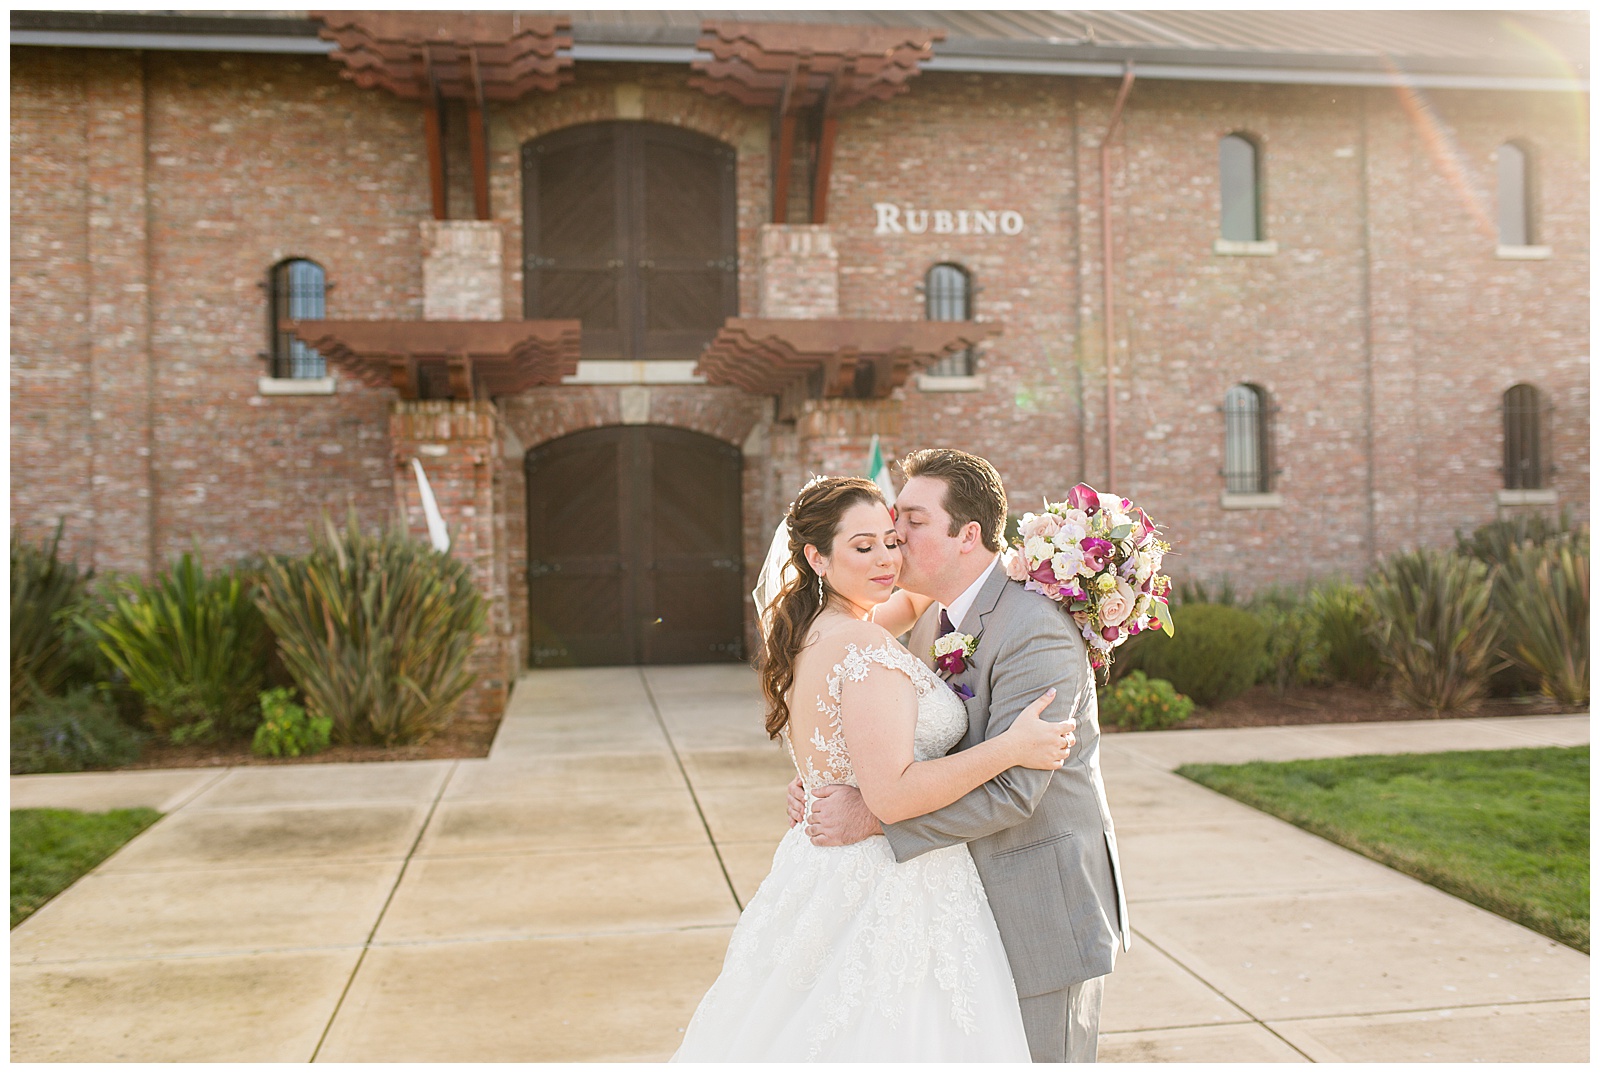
1016 566
1117 605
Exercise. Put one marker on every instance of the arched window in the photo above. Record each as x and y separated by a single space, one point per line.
948 290
1241 189
297 288
1245 451
1515 190
1522 407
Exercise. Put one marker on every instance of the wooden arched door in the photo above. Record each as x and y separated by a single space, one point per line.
634 548
631 228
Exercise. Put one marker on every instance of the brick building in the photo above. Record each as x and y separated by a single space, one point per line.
1313 287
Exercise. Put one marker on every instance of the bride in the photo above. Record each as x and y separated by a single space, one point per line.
843 954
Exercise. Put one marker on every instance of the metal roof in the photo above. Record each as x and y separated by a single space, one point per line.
1492 49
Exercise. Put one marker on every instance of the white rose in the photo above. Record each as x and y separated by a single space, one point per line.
1038 549
1142 567
1066 563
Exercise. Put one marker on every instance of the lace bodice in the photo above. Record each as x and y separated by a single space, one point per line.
941 716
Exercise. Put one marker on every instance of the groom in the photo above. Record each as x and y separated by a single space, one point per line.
1043 841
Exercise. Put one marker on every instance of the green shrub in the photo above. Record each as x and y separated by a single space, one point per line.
1345 620
286 729
71 733
376 632
1140 703
49 654
1541 594
1214 654
191 647
1436 630
1198 592
1493 544
1294 649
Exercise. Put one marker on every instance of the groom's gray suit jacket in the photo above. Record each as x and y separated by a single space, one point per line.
1043 841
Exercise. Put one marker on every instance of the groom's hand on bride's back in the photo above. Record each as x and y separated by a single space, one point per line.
840 817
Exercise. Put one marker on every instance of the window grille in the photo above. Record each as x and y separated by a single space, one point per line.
1524 467
1241 190
1516 217
298 289
948 290
1245 444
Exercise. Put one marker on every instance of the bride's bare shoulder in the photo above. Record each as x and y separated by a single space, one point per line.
835 640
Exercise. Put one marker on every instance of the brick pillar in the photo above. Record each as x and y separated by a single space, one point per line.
798 275
122 483
836 434
458 444
461 270
799 279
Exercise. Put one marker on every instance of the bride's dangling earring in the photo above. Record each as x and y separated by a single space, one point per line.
822 592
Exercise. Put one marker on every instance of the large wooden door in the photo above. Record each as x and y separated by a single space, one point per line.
631 228
634 538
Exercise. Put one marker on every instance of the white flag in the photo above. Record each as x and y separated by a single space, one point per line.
430 510
878 471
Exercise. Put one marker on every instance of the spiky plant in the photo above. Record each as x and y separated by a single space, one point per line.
190 646
1436 630
1542 596
376 631
1345 621
47 652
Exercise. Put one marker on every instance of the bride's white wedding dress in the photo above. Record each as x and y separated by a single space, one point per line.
844 954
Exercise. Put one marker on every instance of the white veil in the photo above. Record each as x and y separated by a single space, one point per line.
776 572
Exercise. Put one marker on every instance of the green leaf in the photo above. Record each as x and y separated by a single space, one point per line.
1164 613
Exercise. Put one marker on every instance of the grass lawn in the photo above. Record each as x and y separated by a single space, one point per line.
1507 830
52 847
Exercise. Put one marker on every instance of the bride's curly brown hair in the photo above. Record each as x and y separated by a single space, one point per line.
814 518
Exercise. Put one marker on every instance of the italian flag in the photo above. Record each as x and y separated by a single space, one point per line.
878 471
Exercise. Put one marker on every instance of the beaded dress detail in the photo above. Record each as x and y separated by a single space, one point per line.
844 954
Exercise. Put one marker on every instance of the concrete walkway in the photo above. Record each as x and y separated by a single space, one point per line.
570 898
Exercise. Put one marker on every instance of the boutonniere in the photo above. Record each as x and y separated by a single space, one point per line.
952 651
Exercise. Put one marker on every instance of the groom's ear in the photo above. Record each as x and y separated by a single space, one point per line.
971 537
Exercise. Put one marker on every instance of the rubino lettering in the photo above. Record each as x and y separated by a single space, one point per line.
904 220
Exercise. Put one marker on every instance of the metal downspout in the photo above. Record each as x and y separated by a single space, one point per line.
1107 276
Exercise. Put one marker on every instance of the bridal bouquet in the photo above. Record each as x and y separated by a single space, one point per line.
1097 555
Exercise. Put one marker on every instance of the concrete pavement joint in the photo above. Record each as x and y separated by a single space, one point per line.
1250 1017
438 796
699 811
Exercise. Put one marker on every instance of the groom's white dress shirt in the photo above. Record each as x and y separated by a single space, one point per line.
963 603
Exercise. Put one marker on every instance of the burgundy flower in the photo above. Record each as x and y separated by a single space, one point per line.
1110 633
1096 551
1142 525
1044 574
1084 498
953 662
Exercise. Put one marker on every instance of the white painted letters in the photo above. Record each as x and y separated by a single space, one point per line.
895 219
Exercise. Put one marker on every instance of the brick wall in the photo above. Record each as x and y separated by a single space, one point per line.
152 193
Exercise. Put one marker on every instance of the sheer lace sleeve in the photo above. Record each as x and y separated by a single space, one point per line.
823 757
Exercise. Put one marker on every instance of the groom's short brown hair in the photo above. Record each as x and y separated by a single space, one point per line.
973 491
